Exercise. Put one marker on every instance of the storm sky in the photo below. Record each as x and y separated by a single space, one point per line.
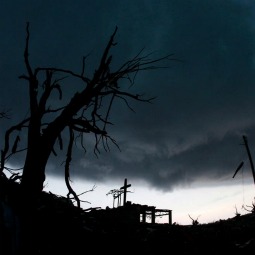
192 132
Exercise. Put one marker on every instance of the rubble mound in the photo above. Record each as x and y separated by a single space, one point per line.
53 225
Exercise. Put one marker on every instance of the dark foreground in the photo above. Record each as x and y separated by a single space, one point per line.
52 225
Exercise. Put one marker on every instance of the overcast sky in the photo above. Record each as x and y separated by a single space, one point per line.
192 133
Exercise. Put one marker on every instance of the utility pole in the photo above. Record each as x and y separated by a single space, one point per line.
249 155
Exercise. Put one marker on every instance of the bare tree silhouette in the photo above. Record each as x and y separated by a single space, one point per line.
194 222
87 111
250 208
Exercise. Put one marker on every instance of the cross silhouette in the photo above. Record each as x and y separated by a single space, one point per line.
125 190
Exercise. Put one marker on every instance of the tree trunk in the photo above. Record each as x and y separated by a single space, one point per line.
34 170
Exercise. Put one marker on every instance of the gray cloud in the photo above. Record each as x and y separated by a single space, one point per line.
204 102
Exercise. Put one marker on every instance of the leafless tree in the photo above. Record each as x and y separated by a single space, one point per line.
237 214
250 208
86 111
194 222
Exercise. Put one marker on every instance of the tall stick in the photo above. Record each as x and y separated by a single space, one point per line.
250 158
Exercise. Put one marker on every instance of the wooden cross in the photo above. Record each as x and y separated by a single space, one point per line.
125 190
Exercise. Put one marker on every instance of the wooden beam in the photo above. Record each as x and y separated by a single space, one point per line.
125 190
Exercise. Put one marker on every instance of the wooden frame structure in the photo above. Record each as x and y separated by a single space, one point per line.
135 213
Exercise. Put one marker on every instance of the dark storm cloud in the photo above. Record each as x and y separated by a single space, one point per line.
205 101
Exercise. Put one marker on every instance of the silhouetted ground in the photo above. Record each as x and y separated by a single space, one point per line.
52 225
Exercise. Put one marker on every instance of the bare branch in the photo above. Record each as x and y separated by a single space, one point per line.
65 71
67 166
26 54
8 133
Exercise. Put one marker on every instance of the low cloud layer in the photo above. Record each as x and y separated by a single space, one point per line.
204 101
